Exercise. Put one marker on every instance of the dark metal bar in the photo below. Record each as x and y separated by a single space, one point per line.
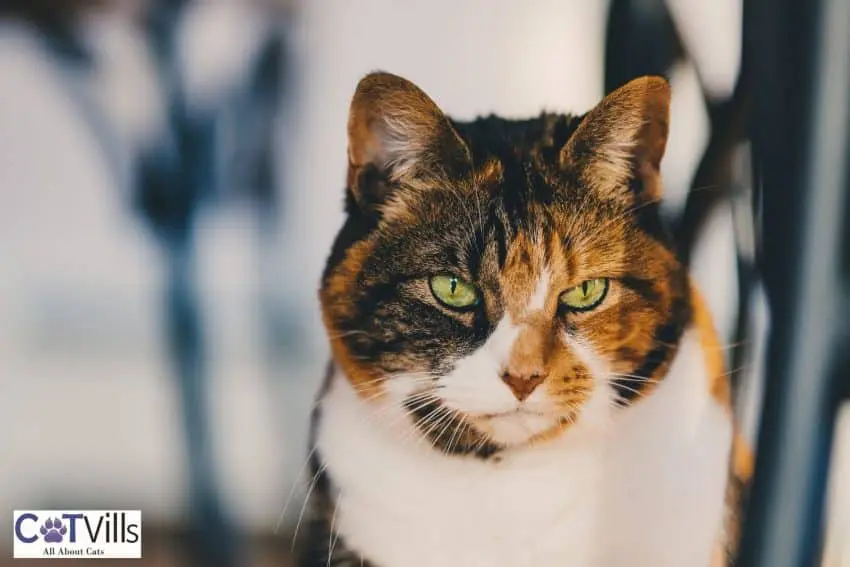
801 53
715 179
640 39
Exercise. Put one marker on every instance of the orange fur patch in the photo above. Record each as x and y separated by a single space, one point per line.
337 292
743 460
718 378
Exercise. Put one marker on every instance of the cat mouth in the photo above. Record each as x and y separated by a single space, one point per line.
516 412
515 427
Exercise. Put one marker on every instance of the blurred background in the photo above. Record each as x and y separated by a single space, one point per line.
171 178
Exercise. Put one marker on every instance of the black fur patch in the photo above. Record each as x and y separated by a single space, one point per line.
448 432
666 339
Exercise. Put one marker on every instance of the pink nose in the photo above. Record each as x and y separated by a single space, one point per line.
522 384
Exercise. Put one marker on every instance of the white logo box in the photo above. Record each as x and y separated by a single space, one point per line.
77 534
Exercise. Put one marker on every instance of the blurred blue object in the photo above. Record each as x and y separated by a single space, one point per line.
173 174
174 179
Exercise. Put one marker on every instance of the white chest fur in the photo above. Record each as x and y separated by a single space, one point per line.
641 487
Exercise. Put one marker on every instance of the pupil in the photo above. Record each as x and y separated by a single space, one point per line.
584 287
453 283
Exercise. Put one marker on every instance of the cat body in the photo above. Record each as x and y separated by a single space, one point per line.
523 373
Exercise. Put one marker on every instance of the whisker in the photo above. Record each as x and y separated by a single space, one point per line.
410 411
724 347
377 416
421 422
457 435
737 370
292 490
485 438
381 394
572 388
434 423
312 487
415 380
333 537
449 423
444 413
634 378
630 389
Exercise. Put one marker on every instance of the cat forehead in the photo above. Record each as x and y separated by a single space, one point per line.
505 210
478 232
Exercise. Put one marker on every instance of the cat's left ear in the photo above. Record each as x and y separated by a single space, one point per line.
395 128
617 148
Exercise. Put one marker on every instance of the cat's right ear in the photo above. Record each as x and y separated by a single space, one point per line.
398 135
622 141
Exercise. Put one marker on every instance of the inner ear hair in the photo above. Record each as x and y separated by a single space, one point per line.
622 140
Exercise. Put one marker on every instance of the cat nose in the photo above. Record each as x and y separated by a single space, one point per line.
523 382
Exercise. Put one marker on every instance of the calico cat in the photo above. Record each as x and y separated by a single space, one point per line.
523 373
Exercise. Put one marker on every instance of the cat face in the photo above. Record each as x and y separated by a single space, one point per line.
501 280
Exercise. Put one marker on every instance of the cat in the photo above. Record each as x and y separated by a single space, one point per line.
523 373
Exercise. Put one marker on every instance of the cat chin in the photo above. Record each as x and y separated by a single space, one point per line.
515 428
523 426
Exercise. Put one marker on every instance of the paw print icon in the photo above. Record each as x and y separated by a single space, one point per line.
53 530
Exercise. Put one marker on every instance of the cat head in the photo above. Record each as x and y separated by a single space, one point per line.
501 280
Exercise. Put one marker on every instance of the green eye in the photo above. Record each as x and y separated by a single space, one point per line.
453 292
585 296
